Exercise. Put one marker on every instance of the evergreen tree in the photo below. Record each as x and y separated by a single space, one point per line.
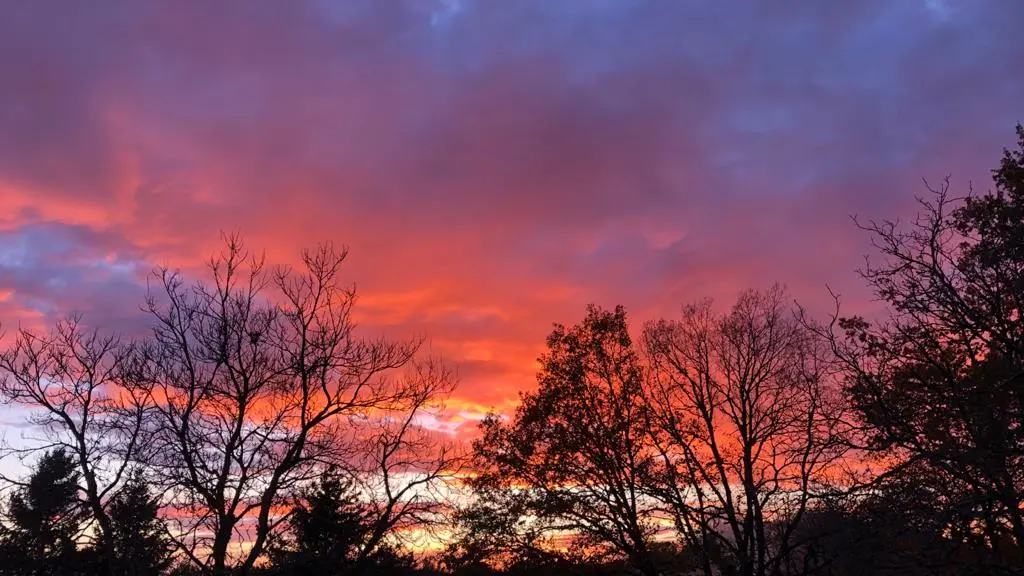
43 522
140 538
331 534
327 527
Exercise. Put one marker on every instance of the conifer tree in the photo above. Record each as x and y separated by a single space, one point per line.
140 538
44 520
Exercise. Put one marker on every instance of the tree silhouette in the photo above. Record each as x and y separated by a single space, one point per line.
68 379
139 537
747 426
940 382
330 533
497 528
261 378
578 445
44 521
328 527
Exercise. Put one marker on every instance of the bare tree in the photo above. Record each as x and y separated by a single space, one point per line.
359 516
747 426
260 380
403 470
68 378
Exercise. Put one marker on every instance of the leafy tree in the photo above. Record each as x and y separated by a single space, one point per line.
44 521
940 383
574 456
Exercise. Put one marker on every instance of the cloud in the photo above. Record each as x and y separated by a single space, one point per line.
493 166
49 270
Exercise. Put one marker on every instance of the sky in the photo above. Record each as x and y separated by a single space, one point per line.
493 165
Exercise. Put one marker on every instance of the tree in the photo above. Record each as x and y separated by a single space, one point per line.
747 427
330 533
402 471
326 527
909 520
69 378
497 529
939 382
261 379
575 454
44 521
139 537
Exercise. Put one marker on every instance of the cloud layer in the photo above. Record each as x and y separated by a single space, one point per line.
494 166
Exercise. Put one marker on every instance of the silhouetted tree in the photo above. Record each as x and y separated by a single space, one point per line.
912 519
261 379
939 383
327 527
574 456
907 522
747 426
139 537
497 528
44 521
68 379
330 532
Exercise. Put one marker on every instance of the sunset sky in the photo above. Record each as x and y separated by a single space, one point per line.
492 165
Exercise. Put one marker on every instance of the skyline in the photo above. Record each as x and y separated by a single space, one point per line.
492 167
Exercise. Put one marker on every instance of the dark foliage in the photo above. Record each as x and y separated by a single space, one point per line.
939 387
330 533
579 444
140 541
44 520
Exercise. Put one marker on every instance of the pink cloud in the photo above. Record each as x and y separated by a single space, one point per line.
494 170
